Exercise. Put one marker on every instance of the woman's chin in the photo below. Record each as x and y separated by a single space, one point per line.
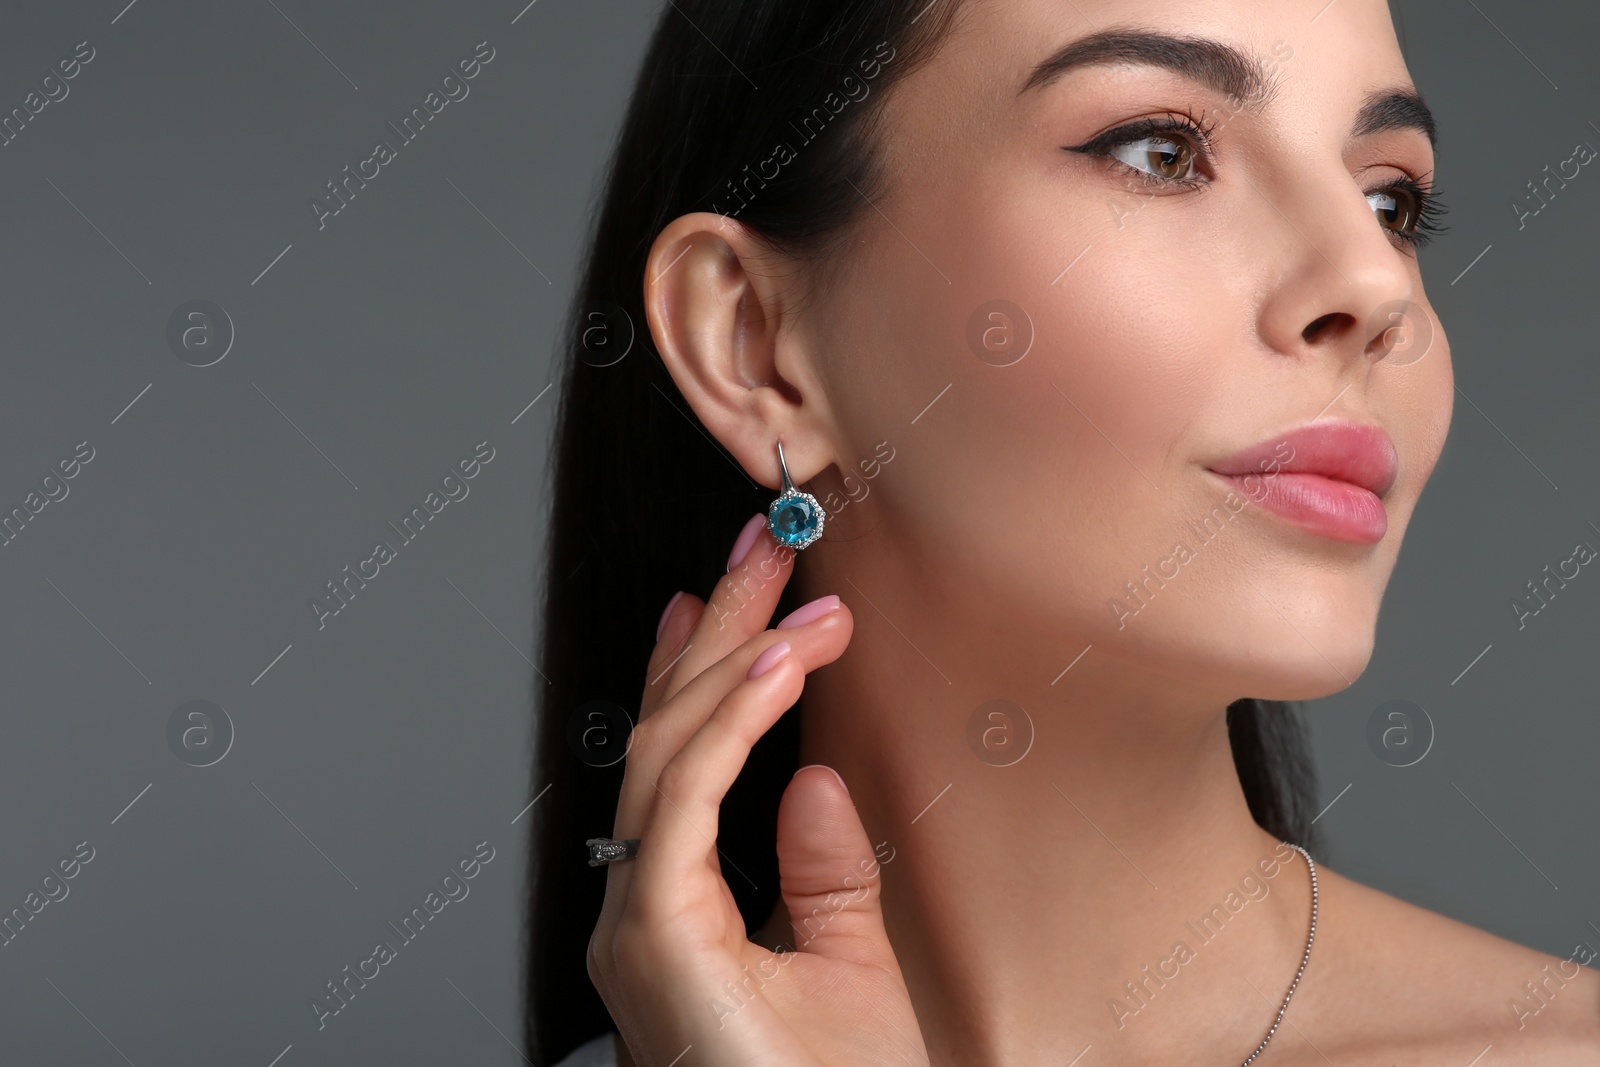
1307 675
1295 668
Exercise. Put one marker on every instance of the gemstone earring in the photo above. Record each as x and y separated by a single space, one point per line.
795 518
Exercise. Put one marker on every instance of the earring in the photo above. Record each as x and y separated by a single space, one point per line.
795 518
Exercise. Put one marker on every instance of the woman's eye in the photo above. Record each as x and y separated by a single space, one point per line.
1161 157
1395 208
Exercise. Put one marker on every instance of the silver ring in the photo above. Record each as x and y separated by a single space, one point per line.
610 849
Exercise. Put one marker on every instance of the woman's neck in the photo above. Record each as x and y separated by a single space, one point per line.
1036 894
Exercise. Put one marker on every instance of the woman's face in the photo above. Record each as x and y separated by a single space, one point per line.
1185 301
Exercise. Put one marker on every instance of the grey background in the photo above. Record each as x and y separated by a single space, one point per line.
373 354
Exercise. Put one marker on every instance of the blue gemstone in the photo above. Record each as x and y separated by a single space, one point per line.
794 520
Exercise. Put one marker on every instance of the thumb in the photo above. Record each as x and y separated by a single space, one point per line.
828 874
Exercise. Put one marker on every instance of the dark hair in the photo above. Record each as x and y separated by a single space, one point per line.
646 502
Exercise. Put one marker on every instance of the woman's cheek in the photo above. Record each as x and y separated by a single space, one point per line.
1419 410
1137 364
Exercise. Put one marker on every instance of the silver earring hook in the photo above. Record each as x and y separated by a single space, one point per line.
783 468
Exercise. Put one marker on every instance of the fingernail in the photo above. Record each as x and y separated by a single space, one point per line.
768 659
831 771
807 612
667 612
747 538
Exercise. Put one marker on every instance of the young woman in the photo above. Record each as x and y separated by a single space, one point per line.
1097 333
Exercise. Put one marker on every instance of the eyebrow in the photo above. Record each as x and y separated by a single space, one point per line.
1226 70
1218 66
1400 108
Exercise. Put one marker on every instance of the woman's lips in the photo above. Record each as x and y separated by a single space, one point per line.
1322 505
1327 477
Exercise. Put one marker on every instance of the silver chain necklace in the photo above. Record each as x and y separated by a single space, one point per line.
1303 959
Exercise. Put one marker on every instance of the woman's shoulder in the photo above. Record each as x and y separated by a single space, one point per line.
599 1052
1404 984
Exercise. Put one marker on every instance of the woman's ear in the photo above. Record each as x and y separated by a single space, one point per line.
721 307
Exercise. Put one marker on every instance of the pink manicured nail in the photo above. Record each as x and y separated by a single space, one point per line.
666 612
831 771
768 659
747 538
807 612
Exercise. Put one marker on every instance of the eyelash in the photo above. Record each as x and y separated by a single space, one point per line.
1198 135
1429 208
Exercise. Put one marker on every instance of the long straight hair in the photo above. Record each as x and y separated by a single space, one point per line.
646 501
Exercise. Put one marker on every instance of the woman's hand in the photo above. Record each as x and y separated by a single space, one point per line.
669 954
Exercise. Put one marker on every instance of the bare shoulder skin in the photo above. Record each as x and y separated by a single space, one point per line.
1395 984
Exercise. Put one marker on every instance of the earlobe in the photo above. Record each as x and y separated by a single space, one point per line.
718 303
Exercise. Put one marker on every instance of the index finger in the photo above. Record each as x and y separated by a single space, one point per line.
740 606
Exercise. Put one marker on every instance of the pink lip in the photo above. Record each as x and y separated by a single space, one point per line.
1325 477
